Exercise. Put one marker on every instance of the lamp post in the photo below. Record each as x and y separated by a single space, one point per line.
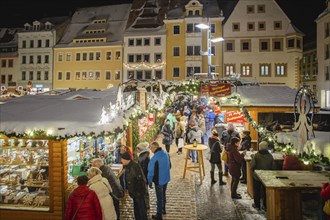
210 40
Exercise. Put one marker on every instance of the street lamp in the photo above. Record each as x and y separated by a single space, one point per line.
209 47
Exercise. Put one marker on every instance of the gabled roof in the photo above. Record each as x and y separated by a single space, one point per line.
177 9
116 18
147 15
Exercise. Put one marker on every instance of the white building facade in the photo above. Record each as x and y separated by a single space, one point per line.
261 44
35 52
323 56
145 44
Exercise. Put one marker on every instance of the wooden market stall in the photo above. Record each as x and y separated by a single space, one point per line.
258 100
39 134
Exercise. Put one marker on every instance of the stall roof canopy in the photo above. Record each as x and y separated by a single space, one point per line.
267 96
282 96
68 113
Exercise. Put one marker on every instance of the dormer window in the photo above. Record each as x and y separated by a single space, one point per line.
27 28
190 12
197 12
36 27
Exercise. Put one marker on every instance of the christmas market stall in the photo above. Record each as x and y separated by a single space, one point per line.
47 140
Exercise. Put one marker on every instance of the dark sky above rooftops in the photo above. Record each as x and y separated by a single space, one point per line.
15 13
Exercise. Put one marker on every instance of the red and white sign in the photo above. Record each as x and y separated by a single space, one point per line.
235 117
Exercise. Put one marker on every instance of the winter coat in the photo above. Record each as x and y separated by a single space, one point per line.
179 129
262 160
227 135
172 119
101 187
143 160
195 133
246 143
159 168
136 184
325 192
114 182
168 135
211 117
201 124
235 160
215 148
90 208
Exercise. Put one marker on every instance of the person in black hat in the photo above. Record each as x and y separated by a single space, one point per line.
136 185
245 145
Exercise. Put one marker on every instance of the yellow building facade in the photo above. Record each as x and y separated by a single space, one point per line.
87 67
187 45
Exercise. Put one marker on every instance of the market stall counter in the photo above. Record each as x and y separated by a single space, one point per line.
284 190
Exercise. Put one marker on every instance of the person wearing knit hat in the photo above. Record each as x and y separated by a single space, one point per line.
126 156
136 185
143 160
262 160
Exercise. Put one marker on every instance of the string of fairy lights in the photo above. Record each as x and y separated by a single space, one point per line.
193 87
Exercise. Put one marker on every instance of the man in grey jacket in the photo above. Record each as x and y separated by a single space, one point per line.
114 182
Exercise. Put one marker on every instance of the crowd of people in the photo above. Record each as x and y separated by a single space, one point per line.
97 195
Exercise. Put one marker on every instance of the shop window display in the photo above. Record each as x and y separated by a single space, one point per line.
24 183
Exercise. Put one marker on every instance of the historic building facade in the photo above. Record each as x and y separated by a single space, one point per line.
261 44
90 54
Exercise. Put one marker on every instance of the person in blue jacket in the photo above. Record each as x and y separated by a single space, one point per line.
159 173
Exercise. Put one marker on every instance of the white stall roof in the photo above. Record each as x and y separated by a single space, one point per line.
66 114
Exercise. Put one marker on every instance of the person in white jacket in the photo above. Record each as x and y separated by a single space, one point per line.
101 187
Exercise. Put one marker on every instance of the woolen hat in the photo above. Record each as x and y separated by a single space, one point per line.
126 156
263 145
246 132
142 145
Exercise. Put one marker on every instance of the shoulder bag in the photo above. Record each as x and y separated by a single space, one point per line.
79 206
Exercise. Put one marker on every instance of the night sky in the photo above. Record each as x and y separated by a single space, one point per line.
14 13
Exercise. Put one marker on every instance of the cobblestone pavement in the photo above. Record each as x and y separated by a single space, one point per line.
187 199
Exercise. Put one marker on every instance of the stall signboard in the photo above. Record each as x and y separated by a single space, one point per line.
204 89
235 117
219 89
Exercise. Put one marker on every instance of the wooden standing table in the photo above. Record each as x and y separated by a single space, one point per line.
201 170
278 157
283 190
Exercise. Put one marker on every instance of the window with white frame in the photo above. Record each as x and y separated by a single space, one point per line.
68 57
229 69
158 74
77 76
280 70
117 75
246 70
60 57
265 70
23 75
38 75
59 76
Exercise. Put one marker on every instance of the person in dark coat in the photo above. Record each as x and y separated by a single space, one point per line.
215 160
135 185
245 145
235 160
83 203
118 191
225 139
143 160
168 135
263 160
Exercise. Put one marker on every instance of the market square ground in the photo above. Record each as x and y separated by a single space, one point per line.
187 199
